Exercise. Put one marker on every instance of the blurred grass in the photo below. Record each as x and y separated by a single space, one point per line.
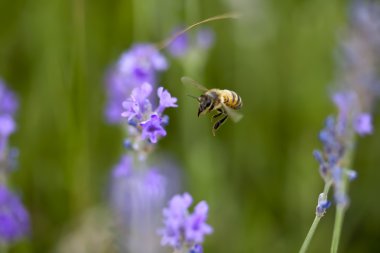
258 175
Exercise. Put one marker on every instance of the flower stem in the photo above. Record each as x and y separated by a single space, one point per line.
337 227
314 225
310 234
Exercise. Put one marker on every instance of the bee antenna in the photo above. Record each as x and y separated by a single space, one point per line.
196 98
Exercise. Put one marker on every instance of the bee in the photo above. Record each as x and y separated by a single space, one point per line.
224 102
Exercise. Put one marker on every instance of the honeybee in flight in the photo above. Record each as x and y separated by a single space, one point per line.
225 102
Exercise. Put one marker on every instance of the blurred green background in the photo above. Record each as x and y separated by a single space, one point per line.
258 176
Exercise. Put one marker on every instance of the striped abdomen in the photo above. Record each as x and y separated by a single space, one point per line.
231 99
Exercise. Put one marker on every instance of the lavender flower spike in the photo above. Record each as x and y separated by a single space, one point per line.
14 219
182 229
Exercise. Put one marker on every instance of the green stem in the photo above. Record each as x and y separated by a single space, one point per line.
314 225
310 234
337 227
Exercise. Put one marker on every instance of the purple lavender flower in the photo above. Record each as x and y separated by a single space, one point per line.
152 128
14 219
180 46
138 65
183 229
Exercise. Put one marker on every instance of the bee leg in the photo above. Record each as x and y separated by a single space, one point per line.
220 112
218 124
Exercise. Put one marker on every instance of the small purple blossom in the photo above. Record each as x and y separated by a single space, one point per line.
8 100
197 249
166 100
123 168
7 125
137 103
196 226
141 93
152 128
14 219
322 206
363 124
181 227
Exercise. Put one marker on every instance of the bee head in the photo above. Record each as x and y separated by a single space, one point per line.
205 102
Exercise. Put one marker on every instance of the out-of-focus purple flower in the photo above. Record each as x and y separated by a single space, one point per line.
363 124
166 100
123 168
8 107
14 219
141 93
181 227
205 38
135 67
180 45
196 227
152 128
365 18
7 125
136 104
137 196
132 109
197 249
345 101
8 100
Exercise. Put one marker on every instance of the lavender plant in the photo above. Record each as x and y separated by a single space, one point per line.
14 219
357 88
139 189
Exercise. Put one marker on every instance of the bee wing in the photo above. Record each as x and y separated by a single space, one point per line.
234 115
188 81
